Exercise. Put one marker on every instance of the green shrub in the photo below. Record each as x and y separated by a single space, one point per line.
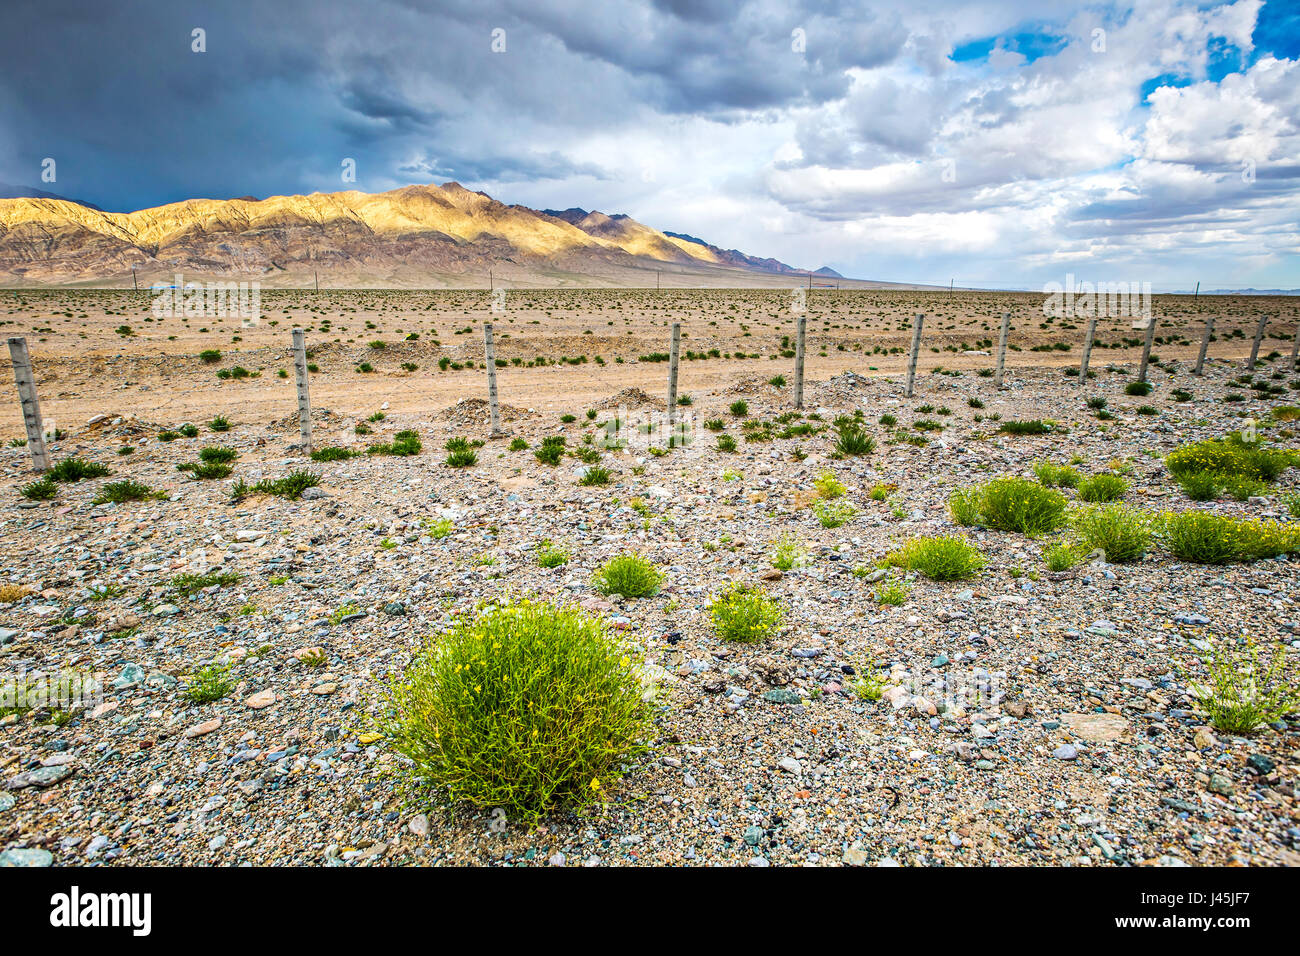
189 583
1231 456
852 439
220 424
629 575
530 707
1241 488
788 553
595 475
940 557
464 458
739 408
1017 504
1033 426
209 684
828 486
209 472
42 490
1056 476
726 443
965 505
518 444
1201 537
833 514
405 443
1242 692
333 453
76 469
551 450
1137 388
218 454
210 355
551 556
1201 485
1123 534
291 486
746 614
1061 556
128 490
1102 488
891 593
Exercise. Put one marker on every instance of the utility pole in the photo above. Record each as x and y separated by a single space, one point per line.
134 283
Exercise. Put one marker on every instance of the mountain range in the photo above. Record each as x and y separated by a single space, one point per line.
416 236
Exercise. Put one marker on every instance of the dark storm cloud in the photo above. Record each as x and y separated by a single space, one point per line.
286 90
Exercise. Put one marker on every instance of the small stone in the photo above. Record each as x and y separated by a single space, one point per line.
26 858
1066 752
419 825
207 727
263 698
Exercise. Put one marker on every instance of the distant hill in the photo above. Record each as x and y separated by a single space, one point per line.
424 235
10 191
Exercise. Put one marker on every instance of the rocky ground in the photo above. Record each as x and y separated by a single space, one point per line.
1084 747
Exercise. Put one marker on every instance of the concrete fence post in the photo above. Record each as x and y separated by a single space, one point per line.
1002 349
673 355
1205 345
916 351
304 389
31 408
802 329
1254 346
1146 348
1088 338
490 360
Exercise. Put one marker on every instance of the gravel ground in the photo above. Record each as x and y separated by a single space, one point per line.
1086 749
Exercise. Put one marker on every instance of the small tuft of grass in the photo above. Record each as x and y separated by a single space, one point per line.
71 470
118 492
1102 488
209 684
745 614
189 584
1123 534
629 575
1243 692
938 557
42 490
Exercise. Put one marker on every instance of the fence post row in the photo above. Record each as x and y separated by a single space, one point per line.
916 351
1002 349
26 383
802 328
304 396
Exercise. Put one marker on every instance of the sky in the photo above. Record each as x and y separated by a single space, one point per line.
998 145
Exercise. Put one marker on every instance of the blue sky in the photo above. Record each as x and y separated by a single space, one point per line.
998 144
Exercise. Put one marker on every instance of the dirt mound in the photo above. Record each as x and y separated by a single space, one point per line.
754 385
474 411
632 398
